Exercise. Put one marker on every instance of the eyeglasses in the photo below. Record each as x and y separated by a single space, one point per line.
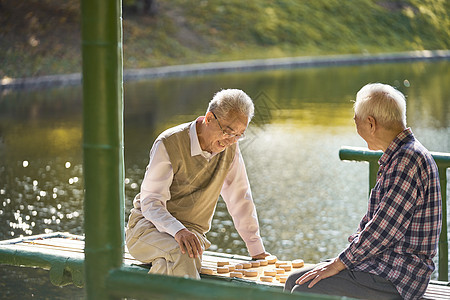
227 134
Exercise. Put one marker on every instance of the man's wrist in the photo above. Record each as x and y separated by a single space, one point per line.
338 264
175 228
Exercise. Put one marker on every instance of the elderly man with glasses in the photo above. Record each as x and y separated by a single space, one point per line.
190 166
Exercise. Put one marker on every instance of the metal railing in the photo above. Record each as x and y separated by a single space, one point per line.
443 162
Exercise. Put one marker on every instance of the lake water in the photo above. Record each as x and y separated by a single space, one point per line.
308 201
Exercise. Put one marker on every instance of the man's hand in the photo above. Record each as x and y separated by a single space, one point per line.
261 255
188 241
321 272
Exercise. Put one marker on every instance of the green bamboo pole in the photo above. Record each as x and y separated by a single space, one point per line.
124 283
102 141
63 270
363 154
443 238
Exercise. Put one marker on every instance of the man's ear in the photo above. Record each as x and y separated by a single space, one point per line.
372 123
209 117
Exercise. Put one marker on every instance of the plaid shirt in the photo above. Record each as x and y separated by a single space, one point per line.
398 237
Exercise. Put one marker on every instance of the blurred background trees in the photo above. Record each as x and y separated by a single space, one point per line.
41 37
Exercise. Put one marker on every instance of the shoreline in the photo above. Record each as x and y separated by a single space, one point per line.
230 66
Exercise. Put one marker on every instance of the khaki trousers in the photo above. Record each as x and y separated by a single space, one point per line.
148 245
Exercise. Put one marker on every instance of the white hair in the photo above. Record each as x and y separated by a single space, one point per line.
382 102
231 100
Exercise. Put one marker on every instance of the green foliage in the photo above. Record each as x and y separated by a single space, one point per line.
326 24
45 33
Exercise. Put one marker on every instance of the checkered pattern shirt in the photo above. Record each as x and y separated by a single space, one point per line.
398 237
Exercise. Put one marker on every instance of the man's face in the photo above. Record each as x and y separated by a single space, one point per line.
226 131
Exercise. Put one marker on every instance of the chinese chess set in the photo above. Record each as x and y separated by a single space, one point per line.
267 271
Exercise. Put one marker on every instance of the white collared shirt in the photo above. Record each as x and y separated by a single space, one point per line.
155 192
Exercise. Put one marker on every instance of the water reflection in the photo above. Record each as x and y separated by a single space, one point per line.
308 201
41 197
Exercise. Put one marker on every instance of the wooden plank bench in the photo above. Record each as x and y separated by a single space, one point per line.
72 247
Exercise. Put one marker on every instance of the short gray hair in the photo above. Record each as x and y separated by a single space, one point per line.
383 102
231 100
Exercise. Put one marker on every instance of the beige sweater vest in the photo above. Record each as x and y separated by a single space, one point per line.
197 182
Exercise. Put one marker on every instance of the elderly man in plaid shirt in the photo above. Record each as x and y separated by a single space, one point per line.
391 254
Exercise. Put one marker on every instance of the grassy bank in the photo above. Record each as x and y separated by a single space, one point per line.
42 37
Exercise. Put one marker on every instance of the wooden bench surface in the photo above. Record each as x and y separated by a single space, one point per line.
73 246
